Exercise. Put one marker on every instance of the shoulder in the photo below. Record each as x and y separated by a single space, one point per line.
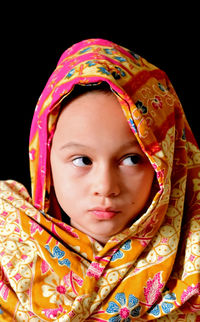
11 189
13 196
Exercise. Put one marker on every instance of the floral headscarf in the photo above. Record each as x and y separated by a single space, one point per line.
149 271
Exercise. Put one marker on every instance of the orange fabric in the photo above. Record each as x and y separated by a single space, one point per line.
150 271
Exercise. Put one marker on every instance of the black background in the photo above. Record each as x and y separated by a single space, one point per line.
33 39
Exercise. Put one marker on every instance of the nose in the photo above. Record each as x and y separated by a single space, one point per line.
106 182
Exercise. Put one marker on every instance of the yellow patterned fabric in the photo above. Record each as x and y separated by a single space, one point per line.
150 270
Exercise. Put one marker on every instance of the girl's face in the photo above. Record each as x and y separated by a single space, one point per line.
102 179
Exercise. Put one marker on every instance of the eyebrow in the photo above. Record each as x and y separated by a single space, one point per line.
72 144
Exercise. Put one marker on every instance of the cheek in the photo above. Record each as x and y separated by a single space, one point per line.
67 189
140 185
67 196
62 184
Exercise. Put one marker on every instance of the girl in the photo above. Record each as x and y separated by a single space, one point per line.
112 230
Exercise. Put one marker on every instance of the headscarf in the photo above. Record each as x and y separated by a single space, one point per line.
148 271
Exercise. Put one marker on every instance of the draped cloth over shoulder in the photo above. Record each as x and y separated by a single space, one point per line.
149 271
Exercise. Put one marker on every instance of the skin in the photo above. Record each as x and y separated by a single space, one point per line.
96 161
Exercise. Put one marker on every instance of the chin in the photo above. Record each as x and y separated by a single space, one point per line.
106 235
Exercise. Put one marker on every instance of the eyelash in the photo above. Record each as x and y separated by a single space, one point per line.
137 159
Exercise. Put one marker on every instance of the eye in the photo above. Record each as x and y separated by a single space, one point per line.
131 160
82 162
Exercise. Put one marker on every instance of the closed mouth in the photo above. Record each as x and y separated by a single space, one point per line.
104 213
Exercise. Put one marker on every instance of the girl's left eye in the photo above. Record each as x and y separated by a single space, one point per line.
82 162
131 160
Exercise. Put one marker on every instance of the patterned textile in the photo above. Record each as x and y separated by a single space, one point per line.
149 271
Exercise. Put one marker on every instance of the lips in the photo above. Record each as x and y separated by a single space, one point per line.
104 213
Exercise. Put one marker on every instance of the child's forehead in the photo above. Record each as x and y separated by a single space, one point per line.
94 120
84 98
89 105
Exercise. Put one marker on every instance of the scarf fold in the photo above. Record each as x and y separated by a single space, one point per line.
149 271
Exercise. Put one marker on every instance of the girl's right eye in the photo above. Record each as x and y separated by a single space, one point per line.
82 162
